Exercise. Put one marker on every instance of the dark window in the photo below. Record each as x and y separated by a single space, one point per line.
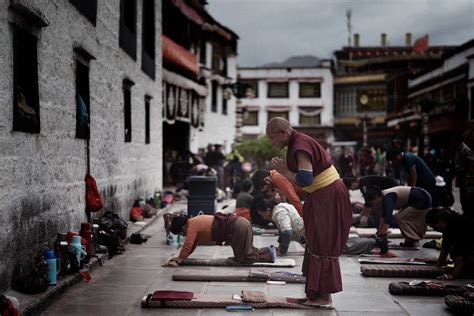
278 90
82 101
216 58
26 111
87 8
224 106
272 114
224 66
147 119
250 118
127 109
148 42
310 119
214 96
251 89
202 51
128 27
310 89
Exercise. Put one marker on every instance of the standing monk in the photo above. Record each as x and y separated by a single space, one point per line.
327 213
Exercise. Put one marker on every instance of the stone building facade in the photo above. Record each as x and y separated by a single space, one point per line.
57 60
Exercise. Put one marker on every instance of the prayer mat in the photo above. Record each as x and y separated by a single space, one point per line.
237 276
227 262
392 233
400 271
221 301
398 247
409 262
265 231
378 254
425 288
460 304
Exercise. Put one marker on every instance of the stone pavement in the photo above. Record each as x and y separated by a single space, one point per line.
118 287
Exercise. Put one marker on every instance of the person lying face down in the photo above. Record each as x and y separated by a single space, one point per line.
219 228
287 220
412 202
458 241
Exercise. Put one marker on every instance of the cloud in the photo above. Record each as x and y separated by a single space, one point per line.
273 30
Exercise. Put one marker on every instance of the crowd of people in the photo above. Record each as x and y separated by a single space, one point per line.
308 200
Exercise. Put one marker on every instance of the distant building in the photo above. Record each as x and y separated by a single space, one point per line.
302 95
198 63
64 64
440 103
371 84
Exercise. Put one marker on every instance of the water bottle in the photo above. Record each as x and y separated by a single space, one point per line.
78 249
54 266
157 199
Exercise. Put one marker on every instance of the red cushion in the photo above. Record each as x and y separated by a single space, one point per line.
172 296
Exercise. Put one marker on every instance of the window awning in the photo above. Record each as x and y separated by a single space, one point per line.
396 121
310 110
251 108
278 108
179 55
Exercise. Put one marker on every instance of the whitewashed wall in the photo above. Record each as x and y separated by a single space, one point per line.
42 175
294 75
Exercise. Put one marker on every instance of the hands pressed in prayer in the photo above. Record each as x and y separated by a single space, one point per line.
280 166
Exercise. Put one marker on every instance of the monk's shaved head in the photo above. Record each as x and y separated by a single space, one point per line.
277 124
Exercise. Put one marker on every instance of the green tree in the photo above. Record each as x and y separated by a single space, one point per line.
260 150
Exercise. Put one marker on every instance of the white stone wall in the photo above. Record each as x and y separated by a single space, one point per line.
219 128
42 175
293 76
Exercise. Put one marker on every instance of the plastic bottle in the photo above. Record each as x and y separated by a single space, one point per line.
157 199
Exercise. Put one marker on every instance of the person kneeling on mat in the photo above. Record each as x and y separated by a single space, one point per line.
219 228
413 203
286 218
458 241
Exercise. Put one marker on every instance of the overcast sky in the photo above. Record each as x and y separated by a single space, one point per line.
273 30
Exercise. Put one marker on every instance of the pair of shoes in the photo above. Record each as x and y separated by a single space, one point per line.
409 243
430 244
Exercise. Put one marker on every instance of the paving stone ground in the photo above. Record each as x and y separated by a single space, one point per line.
118 287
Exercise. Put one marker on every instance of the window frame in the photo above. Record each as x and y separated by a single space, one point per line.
148 38
301 83
270 84
87 8
127 109
21 121
269 117
309 116
245 122
127 36
147 119
214 95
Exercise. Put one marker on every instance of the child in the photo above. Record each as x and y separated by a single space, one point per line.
287 220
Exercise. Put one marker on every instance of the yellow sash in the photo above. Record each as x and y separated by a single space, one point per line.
323 179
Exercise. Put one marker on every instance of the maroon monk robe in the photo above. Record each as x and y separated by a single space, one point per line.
327 219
